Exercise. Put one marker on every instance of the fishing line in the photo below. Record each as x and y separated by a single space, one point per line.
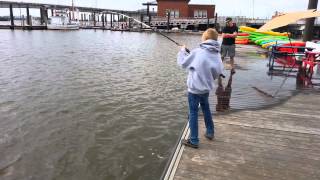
162 34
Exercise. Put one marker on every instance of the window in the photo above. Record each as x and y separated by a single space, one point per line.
196 14
173 13
200 14
204 14
176 14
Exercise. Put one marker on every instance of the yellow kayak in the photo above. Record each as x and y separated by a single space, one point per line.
272 33
248 29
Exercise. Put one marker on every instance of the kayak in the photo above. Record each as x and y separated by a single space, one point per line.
254 30
242 37
293 47
242 42
243 34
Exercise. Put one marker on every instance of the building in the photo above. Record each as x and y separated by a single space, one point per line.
182 15
182 9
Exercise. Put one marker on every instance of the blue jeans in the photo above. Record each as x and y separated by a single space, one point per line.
194 100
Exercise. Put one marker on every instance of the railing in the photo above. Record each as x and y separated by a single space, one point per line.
177 21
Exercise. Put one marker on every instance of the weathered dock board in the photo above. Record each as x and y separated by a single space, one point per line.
282 142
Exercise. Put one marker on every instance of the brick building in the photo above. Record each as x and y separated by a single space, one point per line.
182 9
182 15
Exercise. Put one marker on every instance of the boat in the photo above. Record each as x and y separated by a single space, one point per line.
61 21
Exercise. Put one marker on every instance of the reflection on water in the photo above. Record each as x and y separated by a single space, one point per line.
224 93
103 105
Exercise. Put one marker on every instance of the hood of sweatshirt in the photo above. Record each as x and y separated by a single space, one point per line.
211 45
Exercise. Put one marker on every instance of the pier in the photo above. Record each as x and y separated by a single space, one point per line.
89 18
280 142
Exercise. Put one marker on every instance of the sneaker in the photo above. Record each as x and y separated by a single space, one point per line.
187 142
210 137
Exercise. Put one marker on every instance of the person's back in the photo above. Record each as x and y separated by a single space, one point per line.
204 65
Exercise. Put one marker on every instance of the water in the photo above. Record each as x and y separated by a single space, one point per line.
102 105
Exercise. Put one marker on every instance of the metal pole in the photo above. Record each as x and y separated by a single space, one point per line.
308 31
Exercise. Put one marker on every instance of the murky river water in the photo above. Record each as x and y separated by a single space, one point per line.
101 105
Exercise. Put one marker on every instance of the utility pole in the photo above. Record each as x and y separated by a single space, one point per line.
308 31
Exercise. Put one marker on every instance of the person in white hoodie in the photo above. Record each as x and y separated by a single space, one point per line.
204 66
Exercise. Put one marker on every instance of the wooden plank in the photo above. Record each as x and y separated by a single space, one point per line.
274 143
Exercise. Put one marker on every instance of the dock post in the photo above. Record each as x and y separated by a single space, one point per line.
148 14
45 11
30 22
28 16
308 31
106 19
23 22
168 21
129 23
141 19
102 18
94 19
118 17
11 17
111 20
41 16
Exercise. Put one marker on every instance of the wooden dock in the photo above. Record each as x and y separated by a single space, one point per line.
281 142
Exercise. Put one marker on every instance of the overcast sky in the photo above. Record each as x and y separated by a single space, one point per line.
258 8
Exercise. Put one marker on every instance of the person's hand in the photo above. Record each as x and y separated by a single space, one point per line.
183 47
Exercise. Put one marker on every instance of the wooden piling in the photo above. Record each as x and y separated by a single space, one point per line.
41 16
28 16
94 19
141 19
102 18
11 17
112 18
